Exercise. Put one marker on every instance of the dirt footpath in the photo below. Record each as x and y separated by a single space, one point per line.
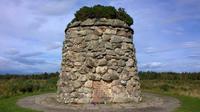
151 103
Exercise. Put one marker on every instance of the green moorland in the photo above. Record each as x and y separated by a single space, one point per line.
184 86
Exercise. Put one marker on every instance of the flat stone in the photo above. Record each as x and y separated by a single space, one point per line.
127 40
88 22
83 100
74 95
76 23
83 45
78 58
110 31
127 46
119 51
94 77
113 62
68 89
125 77
121 63
101 69
83 70
115 83
88 84
78 40
98 31
110 77
116 45
116 39
113 67
119 22
84 90
122 33
120 69
90 62
78 63
108 45
77 84
74 76
118 89
102 62
82 78
93 45
121 98
131 83
130 63
93 37
106 37
110 52
82 32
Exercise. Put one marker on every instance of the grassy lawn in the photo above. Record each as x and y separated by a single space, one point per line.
186 91
9 104
188 104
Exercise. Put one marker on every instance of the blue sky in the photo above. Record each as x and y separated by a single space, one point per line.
166 33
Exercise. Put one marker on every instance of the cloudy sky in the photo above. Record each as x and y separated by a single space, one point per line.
166 33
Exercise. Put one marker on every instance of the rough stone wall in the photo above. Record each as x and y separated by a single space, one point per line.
98 63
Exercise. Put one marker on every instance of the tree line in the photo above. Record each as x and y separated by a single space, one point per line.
43 76
149 75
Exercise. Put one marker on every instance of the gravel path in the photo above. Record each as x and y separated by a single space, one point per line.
151 103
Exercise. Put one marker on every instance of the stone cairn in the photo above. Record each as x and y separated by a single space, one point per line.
98 63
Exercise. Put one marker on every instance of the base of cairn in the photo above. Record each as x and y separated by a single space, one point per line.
150 103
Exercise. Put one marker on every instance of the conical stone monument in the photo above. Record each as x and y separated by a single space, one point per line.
98 63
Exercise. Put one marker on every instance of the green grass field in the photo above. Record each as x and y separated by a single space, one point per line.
188 103
9 104
187 91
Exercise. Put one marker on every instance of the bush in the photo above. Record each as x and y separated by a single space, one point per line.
99 11
165 87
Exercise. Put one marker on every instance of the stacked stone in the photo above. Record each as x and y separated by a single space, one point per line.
98 63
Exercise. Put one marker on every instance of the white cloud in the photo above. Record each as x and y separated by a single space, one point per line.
178 31
31 54
54 45
150 50
194 56
52 8
12 51
191 44
152 65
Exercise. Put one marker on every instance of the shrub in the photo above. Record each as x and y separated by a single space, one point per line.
99 11
165 87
